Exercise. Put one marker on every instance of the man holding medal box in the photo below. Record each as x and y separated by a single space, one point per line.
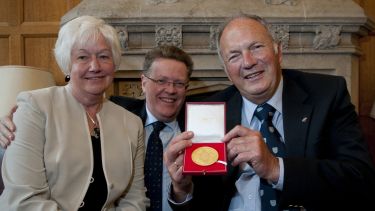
322 162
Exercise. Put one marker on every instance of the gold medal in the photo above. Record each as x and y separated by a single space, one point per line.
204 156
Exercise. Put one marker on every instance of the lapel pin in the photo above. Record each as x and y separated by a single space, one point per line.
304 119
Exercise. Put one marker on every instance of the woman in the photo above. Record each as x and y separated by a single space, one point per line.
74 149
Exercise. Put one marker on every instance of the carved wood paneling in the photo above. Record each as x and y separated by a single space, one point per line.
28 30
4 50
41 47
44 10
9 12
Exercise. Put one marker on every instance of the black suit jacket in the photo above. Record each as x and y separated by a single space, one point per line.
327 164
138 107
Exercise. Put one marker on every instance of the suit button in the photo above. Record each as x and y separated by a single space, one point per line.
82 204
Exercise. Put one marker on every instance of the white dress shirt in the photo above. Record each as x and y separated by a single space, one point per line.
247 196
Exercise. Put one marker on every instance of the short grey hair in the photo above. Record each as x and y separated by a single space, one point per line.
224 24
79 31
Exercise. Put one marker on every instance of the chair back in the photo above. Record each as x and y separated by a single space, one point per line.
14 79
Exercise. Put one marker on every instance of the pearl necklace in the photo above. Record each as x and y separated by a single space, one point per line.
96 131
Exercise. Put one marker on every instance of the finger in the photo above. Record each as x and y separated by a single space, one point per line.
4 142
7 121
238 131
179 161
173 158
232 149
6 135
245 149
14 108
187 135
179 178
7 126
243 157
240 144
177 146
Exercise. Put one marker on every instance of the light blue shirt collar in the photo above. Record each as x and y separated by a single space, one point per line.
151 119
275 101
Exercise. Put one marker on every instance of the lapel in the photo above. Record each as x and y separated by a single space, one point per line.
233 110
233 118
296 117
143 113
181 118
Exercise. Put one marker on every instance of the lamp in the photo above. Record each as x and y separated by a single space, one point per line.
14 79
372 112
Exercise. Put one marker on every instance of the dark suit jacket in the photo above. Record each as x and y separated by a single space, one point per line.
138 107
327 166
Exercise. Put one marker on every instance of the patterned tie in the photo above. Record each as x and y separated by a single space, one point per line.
154 168
265 114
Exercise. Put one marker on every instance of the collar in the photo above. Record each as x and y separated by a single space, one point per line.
151 119
275 101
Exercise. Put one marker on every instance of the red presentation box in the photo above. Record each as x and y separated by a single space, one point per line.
207 155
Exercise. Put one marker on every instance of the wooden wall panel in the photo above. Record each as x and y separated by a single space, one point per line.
8 12
28 30
367 63
4 46
44 10
39 53
367 75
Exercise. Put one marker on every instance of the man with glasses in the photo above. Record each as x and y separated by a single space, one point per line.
165 78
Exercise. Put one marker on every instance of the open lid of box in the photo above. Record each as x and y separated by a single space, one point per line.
206 120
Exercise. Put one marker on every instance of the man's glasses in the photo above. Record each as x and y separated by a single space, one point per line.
165 83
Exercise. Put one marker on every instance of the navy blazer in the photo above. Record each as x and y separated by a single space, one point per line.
138 107
327 164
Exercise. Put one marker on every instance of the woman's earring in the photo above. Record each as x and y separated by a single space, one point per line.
67 78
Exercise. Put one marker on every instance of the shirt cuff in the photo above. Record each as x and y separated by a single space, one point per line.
189 196
280 183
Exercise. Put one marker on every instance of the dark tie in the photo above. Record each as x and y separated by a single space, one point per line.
154 168
265 114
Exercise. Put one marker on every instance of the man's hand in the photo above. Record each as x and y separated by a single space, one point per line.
173 158
246 145
7 128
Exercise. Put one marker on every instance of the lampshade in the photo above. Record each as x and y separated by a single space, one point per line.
14 79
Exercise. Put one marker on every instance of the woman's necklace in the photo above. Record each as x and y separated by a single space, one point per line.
96 131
